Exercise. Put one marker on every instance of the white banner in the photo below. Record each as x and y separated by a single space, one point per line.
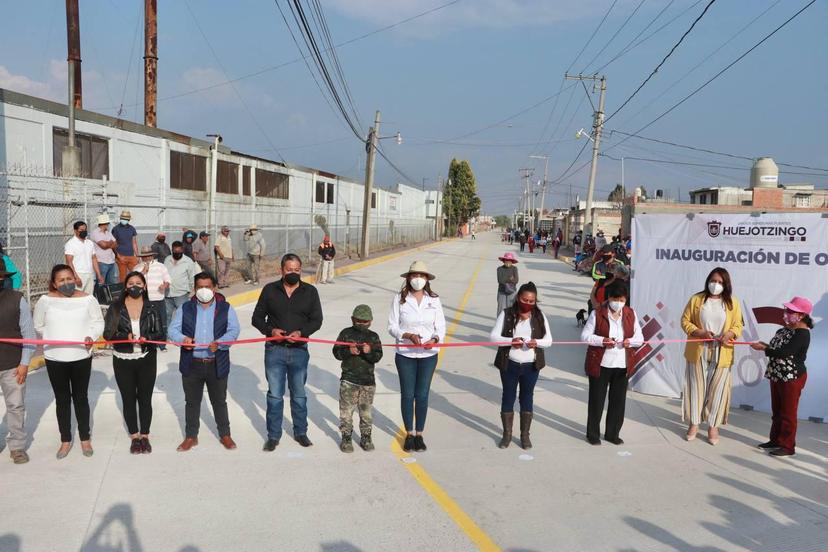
770 258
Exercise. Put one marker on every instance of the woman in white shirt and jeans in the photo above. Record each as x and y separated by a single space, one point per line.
68 314
527 327
613 333
416 318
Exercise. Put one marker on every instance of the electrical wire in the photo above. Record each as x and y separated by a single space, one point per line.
613 37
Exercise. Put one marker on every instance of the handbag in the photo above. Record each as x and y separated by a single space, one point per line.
107 293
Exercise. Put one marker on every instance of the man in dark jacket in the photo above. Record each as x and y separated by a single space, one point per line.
357 386
287 309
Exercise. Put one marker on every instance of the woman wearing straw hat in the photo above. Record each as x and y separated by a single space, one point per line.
786 371
507 280
417 319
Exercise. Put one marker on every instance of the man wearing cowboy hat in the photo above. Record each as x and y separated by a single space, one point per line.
15 322
105 250
507 281
126 248
158 281
255 243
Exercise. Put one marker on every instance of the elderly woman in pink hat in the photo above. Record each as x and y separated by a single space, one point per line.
507 281
786 371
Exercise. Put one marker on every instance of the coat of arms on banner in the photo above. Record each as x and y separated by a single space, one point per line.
714 228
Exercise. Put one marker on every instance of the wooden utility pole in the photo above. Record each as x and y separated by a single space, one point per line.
150 63
371 151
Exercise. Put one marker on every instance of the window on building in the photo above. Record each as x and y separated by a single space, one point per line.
373 200
331 193
246 181
227 178
271 184
94 153
802 201
320 192
703 199
714 198
188 171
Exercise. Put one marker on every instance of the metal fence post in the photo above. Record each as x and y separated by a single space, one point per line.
26 239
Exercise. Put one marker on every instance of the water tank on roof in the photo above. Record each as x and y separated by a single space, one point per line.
764 173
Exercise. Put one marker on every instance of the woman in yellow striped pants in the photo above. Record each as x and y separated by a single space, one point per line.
712 314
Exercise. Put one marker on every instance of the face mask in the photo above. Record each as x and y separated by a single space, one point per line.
607 258
790 318
417 283
507 264
162 240
715 288
177 256
616 306
82 234
291 278
123 222
361 327
204 295
525 307
135 291
67 289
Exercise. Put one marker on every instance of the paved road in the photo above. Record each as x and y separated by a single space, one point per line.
655 493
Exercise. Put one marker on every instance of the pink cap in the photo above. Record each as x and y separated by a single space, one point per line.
508 257
799 304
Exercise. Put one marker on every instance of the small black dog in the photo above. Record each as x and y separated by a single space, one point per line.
581 317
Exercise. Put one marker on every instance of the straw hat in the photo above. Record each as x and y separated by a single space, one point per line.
253 227
103 219
147 252
418 267
126 215
508 257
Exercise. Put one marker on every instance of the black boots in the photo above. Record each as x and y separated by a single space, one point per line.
525 424
507 418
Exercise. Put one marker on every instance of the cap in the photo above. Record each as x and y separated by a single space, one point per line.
203 234
363 312
5 274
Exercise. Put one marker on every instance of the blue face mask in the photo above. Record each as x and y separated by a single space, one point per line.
124 222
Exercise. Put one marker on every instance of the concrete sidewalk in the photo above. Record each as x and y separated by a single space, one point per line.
657 492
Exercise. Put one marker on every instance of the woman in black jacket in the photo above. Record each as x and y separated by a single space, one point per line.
134 317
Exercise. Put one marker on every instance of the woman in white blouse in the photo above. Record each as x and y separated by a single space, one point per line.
613 333
67 314
417 319
527 328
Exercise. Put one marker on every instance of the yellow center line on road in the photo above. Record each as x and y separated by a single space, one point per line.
454 511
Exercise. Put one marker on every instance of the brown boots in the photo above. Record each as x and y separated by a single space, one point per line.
507 418
525 424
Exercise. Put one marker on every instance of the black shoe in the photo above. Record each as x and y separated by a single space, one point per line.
768 445
419 444
303 440
146 447
781 452
270 445
615 440
593 440
408 444
135 447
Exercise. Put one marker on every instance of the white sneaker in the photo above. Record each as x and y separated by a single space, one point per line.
248 281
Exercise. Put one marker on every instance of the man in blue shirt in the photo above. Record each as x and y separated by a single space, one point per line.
201 324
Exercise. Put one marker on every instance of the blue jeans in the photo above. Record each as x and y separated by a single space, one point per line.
109 272
415 382
516 374
286 364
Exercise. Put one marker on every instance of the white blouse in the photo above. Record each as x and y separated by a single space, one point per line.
614 357
424 319
136 348
68 319
522 329
713 315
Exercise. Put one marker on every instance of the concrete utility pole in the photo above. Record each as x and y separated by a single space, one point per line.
150 63
545 180
598 127
526 206
371 149
70 157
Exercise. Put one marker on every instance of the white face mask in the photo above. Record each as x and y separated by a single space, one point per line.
616 306
790 318
715 288
124 221
417 283
204 295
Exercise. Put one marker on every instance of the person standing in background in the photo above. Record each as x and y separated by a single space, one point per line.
15 281
255 244
326 252
126 248
188 240
105 245
157 283
182 271
15 323
201 252
224 254
507 280
80 256
162 250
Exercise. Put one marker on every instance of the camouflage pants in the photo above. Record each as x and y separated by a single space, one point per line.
351 397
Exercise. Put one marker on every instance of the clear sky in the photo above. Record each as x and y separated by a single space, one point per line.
441 78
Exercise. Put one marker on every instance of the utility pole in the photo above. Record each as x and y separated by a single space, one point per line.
598 127
371 150
70 158
545 180
527 172
150 63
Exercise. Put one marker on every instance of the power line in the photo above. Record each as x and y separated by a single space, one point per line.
663 61
589 41
717 75
613 37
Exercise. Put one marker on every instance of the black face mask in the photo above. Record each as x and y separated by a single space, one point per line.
162 240
135 291
291 278
82 234
177 256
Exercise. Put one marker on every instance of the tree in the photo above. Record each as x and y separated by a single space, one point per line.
461 202
617 195
503 221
